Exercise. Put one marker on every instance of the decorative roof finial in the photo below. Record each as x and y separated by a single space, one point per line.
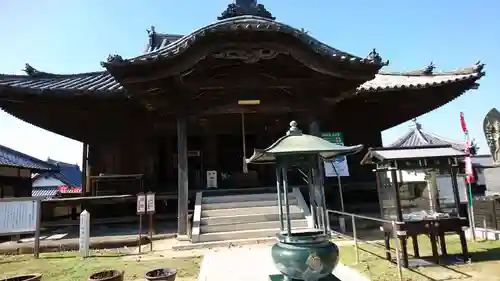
429 68
294 130
152 37
374 56
415 124
245 8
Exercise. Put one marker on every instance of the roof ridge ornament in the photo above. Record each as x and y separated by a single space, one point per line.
375 57
294 130
35 73
429 69
415 124
245 8
152 37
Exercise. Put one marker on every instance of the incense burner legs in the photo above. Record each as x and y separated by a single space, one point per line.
308 256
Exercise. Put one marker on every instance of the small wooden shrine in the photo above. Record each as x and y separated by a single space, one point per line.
413 219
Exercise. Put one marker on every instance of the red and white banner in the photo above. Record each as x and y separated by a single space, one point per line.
468 162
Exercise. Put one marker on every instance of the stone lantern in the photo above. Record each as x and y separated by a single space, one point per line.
303 255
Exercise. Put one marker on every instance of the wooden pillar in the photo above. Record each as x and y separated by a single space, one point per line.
182 178
399 213
395 187
85 153
454 185
88 171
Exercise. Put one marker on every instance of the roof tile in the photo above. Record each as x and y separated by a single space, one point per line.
418 137
12 158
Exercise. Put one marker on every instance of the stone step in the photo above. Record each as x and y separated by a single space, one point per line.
240 234
245 204
248 218
246 211
297 223
243 198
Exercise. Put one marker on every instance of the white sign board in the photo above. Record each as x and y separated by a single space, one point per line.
150 202
18 216
338 165
84 239
141 203
212 179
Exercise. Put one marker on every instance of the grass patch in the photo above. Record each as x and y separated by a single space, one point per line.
485 262
69 266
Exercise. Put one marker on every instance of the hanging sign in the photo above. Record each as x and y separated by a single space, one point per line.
339 164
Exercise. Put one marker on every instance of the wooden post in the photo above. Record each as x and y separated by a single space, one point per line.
36 250
454 185
395 187
182 178
84 167
88 172
399 213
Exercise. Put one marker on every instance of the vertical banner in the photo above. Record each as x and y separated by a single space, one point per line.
339 165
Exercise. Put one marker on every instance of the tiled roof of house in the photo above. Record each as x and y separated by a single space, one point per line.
12 158
69 174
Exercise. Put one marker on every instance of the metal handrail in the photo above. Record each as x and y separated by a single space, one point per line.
356 239
360 216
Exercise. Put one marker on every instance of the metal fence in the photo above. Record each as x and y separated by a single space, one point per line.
355 237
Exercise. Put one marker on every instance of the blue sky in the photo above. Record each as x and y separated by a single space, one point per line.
63 36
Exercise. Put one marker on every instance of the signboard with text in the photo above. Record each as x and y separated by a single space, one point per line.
141 203
150 203
18 216
339 164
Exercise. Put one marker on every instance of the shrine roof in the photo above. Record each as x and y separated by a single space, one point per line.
417 137
165 46
416 152
102 81
97 82
423 78
12 158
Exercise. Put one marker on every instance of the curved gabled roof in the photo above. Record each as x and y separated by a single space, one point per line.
244 23
417 137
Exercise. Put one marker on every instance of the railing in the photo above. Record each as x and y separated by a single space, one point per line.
357 240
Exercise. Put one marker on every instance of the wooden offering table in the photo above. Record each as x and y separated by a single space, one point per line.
434 228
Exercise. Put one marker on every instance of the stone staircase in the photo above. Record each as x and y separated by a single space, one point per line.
249 216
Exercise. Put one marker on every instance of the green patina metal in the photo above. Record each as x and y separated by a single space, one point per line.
306 254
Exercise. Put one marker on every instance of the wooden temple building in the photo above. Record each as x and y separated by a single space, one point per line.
203 101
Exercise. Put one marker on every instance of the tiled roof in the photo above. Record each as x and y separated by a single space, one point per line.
92 82
425 78
102 82
69 174
45 191
12 158
243 23
410 153
418 137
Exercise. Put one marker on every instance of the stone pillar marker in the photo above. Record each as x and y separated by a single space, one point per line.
84 239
